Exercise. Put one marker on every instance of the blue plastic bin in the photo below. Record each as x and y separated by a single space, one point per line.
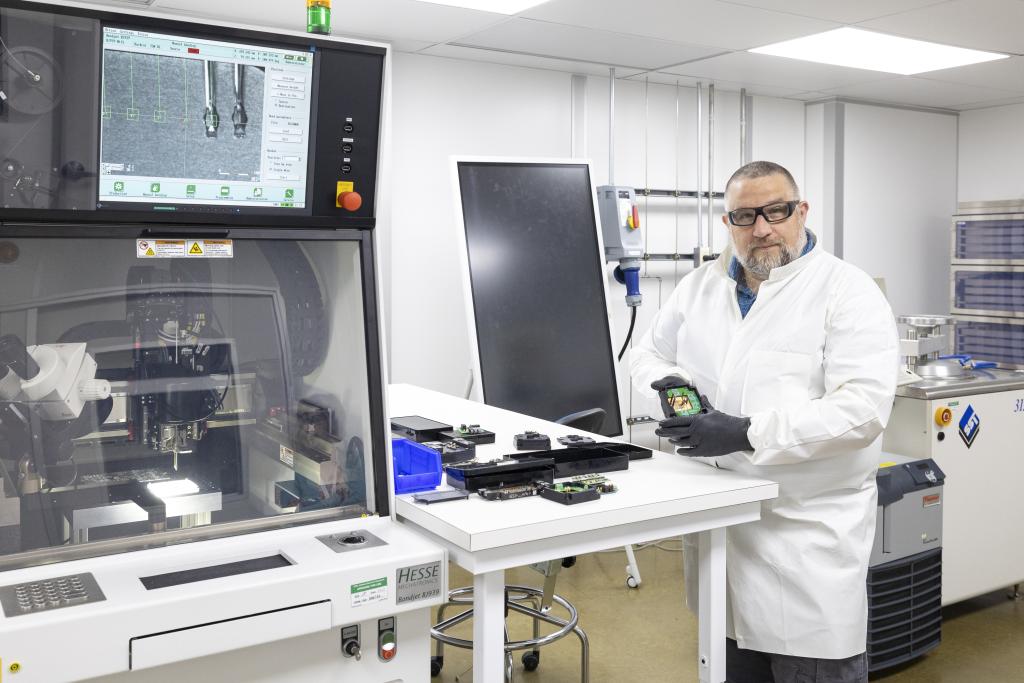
417 468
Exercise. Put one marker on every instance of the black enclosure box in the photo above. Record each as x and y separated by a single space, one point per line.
510 472
419 429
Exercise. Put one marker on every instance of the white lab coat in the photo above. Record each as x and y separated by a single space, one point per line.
814 365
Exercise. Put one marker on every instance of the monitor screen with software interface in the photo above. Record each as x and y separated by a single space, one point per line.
537 281
188 121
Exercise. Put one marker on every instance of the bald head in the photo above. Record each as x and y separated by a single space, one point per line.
762 169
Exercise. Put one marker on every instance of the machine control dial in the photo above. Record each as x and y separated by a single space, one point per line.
350 643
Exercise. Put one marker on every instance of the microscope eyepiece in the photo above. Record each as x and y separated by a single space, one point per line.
15 356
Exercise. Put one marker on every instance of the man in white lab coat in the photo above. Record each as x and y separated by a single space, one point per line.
796 354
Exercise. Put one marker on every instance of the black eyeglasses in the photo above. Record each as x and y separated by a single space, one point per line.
773 213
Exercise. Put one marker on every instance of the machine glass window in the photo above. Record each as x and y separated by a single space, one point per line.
49 65
183 384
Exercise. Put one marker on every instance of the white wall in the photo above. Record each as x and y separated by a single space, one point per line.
991 150
888 189
898 198
444 107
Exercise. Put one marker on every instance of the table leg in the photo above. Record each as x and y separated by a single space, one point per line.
489 627
711 639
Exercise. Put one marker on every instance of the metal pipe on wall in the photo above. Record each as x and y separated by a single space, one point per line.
676 155
611 126
743 127
711 166
700 166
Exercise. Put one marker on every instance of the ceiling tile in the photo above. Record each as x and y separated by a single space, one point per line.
389 20
515 59
979 24
781 72
1003 74
697 22
664 78
914 91
542 38
405 45
842 11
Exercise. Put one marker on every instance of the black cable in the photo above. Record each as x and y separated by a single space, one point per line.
629 335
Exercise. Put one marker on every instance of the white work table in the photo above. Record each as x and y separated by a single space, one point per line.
664 496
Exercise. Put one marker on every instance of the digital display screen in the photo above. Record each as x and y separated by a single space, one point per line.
536 280
191 121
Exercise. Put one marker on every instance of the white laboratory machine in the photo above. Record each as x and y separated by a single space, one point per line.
967 417
194 454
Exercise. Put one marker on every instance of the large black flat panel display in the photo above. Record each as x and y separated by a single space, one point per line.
537 284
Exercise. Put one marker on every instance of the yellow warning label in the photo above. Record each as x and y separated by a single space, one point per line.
886 464
196 250
343 186
150 252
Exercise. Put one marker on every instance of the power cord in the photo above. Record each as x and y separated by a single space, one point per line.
629 335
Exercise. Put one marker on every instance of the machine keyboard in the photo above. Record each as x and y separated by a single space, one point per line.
41 596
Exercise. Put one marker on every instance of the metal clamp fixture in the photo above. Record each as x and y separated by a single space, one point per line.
924 340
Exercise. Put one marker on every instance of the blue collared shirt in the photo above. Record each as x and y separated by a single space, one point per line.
744 295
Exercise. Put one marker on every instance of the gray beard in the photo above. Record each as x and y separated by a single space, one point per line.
760 263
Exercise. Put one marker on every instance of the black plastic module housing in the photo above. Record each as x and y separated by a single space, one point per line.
531 441
508 472
419 429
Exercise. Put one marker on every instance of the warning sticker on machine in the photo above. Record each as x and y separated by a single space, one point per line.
185 248
420 582
369 591
287 456
210 249
160 248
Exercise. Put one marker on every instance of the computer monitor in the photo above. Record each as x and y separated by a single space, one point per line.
192 121
534 269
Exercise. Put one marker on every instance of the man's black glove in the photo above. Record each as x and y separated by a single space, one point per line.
706 434
669 382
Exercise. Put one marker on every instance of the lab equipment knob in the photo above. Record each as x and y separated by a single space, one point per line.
94 389
352 649
350 201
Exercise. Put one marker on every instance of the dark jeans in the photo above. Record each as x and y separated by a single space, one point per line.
751 666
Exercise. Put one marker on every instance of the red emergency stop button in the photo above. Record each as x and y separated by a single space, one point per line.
350 201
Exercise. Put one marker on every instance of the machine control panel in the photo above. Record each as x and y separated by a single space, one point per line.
345 173
387 639
41 596
620 222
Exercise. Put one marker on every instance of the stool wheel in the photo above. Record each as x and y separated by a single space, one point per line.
531 660
436 664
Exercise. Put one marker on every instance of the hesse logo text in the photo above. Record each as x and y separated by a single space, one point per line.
421 573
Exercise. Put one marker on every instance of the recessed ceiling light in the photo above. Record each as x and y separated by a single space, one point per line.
876 51
498 6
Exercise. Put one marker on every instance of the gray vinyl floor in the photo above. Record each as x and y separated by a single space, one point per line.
648 635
